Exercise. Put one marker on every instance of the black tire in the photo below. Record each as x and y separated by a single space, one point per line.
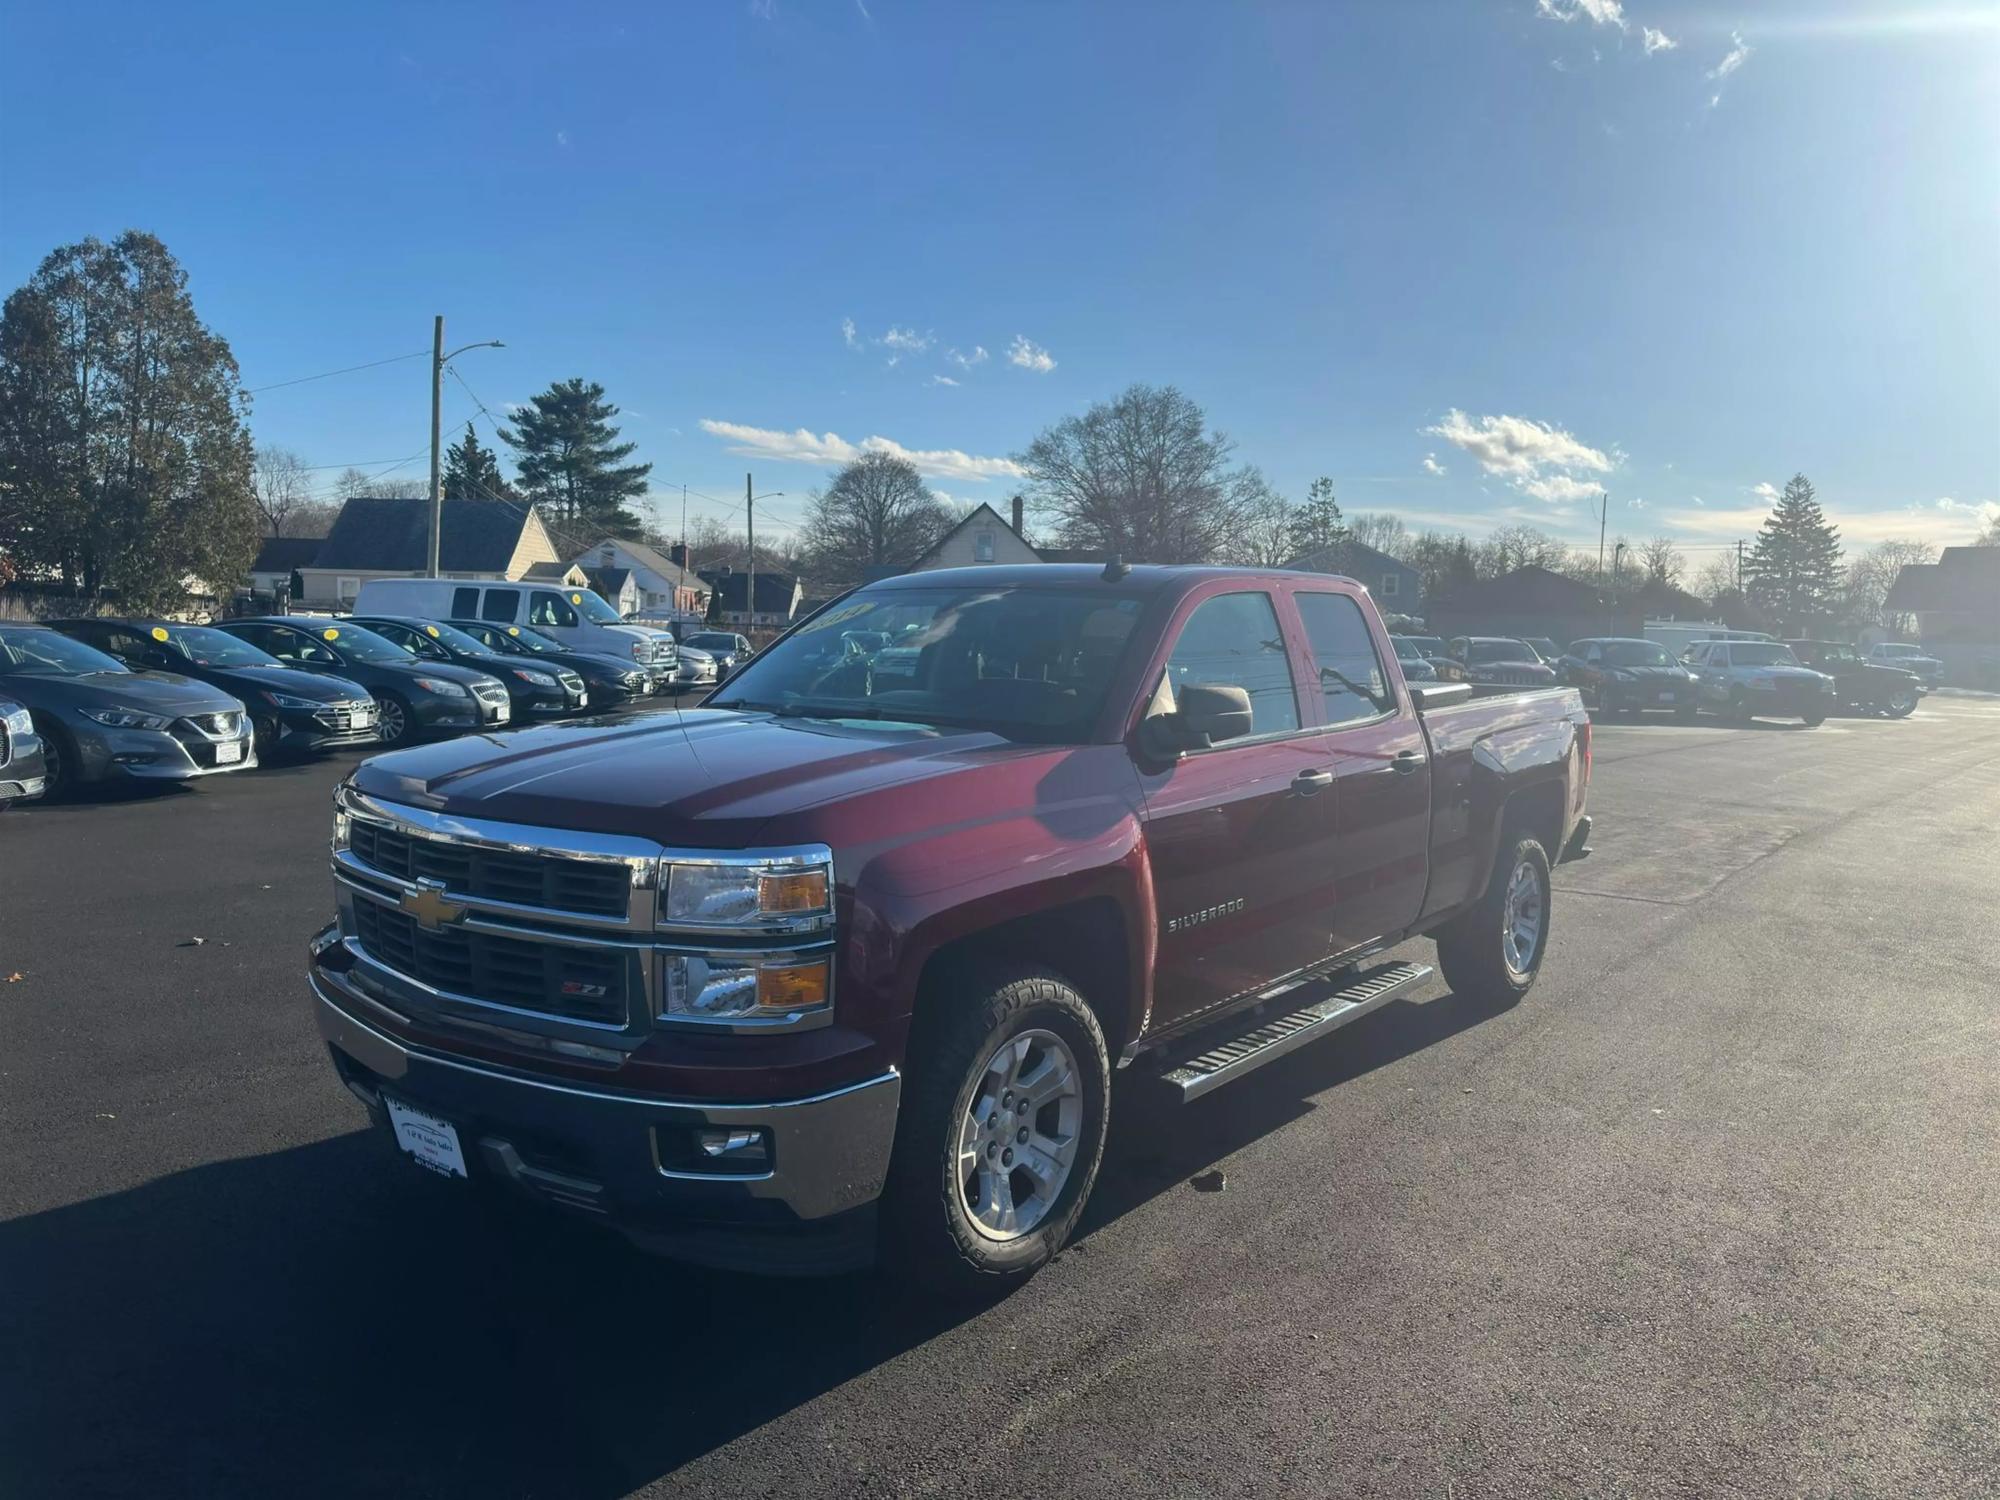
1687 715
929 1229
1813 721
1901 703
395 708
264 729
1472 948
59 761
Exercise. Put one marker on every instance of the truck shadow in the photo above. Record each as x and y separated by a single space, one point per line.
326 1320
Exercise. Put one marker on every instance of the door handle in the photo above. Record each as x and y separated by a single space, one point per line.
1309 783
1407 762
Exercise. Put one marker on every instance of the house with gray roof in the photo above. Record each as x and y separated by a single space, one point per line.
492 540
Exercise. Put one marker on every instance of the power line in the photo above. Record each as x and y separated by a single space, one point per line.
329 374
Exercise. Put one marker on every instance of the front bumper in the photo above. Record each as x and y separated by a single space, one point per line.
637 1162
429 711
329 728
105 754
1640 695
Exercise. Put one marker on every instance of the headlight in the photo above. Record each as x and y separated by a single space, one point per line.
340 824
125 718
749 987
633 679
539 679
641 650
780 895
442 688
286 700
17 721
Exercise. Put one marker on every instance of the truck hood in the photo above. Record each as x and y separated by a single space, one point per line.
707 778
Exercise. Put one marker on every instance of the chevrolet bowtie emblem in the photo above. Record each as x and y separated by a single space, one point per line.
430 906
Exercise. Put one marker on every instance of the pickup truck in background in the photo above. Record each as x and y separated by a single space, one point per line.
840 965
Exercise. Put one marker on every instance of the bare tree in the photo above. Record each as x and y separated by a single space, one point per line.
1269 527
1662 560
1870 576
1990 537
1717 576
1513 547
877 513
283 488
1380 530
354 484
1141 475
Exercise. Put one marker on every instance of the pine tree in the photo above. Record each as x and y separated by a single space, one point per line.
571 462
471 472
1316 524
1793 572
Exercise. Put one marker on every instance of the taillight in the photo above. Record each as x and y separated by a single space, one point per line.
1583 739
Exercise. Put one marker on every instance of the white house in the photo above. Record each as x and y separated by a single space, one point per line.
659 583
982 537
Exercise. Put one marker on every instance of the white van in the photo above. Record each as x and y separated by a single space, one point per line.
575 617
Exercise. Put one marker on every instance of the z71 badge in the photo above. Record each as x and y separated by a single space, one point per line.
1206 914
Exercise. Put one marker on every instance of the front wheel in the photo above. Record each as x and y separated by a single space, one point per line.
393 720
1001 1132
1902 703
1492 952
1813 721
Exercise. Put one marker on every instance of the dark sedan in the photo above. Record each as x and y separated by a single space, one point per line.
729 649
100 721
611 679
1416 666
538 692
21 772
1499 661
414 697
1622 674
1869 686
291 711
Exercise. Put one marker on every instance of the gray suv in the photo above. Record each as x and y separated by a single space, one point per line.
1757 679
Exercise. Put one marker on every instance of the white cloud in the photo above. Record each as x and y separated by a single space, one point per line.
1432 466
1982 511
1517 447
1597 12
1635 503
1557 488
1765 490
1738 54
1697 500
1927 523
847 333
1656 40
978 356
562 137
1029 355
942 380
906 340
806 447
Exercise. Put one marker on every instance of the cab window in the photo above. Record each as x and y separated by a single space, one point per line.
1233 640
501 606
464 603
545 607
1352 683
292 645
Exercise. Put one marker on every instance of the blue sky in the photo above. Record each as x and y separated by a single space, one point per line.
1525 243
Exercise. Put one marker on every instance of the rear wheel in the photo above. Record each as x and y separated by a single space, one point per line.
1001 1131
1813 721
1493 952
1902 703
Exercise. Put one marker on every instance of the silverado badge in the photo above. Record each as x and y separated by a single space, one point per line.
430 906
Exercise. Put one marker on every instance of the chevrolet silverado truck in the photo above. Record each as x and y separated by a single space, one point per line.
839 966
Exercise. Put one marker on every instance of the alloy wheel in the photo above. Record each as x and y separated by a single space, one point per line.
391 722
1522 918
1017 1140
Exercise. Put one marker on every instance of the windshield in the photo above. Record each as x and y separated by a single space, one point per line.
213 648
1635 654
1028 663
712 642
363 645
1501 651
1760 654
1406 649
593 608
44 653
1902 651
519 638
454 639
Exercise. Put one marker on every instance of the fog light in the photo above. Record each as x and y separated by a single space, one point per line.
740 1147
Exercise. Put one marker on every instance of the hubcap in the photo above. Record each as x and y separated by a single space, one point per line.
1521 919
1904 701
1018 1138
391 721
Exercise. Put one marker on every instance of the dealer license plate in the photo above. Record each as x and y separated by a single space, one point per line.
1667 697
503 713
433 1142
228 752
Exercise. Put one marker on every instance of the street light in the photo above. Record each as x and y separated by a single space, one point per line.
439 359
750 534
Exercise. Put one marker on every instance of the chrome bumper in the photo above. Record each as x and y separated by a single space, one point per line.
828 1153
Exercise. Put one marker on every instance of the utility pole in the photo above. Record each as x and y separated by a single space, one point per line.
1603 514
437 401
750 532
687 552
1739 565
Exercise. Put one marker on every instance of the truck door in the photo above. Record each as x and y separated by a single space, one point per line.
1380 851
1237 832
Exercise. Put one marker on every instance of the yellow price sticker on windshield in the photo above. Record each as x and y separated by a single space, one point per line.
513 630
576 598
329 635
432 632
159 632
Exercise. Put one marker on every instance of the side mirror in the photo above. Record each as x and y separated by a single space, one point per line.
1207 713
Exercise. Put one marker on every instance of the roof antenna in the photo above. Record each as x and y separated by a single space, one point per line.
1114 569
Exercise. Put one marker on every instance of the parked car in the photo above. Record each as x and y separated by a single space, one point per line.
1499 661
100 721
21 773
1545 649
729 649
535 691
1622 674
576 619
412 697
1164 816
1758 679
698 668
1416 666
1908 658
608 679
290 711
1872 687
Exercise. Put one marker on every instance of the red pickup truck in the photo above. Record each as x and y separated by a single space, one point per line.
840 964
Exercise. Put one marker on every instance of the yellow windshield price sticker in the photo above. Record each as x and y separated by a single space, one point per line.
513 630
432 632
576 598
329 635
159 633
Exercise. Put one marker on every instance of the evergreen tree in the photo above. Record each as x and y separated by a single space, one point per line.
571 462
124 459
1793 572
471 472
1316 524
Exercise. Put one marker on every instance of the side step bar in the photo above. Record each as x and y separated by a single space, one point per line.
1276 1035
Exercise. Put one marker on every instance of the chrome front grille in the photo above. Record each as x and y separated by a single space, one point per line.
226 726
520 879
491 693
345 718
570 680
574 982
6 744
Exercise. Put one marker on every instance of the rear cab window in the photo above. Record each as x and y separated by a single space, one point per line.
500 606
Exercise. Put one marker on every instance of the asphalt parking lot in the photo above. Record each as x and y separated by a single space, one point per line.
1711 1212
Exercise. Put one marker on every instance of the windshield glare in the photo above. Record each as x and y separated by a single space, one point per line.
1502 651
1758 654
1635 654
364 645
593 608
44 653
212 648
1023 662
